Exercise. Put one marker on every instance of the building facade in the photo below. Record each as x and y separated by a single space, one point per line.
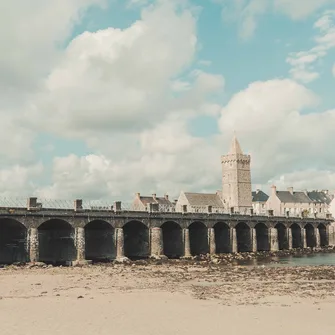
200 203
236 180
152 203
299 203
259 199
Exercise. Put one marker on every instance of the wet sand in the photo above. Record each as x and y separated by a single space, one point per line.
169 298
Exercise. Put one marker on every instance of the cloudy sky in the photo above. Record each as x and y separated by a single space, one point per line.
100 99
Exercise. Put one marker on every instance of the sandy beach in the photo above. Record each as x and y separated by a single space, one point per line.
170 298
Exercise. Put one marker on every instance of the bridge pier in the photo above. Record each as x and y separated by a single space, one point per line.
253 239
211 241
233 240
80 246
289 238
119 242
156 243
303 238
33 245
187 246
317 237
273 239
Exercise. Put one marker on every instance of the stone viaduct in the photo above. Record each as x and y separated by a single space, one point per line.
61 236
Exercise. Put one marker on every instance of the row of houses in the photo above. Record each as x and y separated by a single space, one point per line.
278 203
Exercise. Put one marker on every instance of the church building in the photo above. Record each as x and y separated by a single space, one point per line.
235 196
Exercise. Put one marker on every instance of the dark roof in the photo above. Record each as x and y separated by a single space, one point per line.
296 197
159 200
204 199
259 196
320 197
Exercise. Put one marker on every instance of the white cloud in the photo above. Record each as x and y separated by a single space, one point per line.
16 181
303 62
30 42
130 94
269 121
270 125
160 162
30 39
317 180
120 79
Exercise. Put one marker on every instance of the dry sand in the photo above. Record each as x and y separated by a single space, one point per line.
173 298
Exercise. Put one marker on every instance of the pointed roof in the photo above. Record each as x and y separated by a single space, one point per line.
235 148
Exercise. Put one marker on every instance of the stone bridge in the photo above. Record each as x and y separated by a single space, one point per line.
71 236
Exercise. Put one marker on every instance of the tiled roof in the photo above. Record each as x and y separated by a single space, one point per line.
204 199
259 196
159 200
302 197
320 197
296 197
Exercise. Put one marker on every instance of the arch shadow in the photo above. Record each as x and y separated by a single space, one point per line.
262 237
323 235
173 246
222 238
296 236
243 236
100 241
282 236
13 241
310 236
198 238
136 240
56 242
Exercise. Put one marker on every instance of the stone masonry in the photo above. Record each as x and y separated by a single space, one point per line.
60 236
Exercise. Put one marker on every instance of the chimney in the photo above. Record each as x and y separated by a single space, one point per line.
290 189
117 206
78 204
154 196
257 191
273 190
166 196
138 195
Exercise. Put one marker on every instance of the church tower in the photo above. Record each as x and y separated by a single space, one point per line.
236 179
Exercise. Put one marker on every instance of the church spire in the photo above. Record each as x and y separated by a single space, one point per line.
235 148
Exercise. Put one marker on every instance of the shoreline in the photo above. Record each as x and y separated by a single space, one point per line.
229 259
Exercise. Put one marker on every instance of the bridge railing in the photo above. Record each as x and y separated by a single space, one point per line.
117 206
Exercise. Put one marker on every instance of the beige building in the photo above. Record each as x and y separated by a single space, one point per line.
259 199
236 180
235 196
152 203
200 203
299 203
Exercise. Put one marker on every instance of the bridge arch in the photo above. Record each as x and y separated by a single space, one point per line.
282 236
99 241
310 235
198 238
296 236
243 236
13 241
323 235
56 242
262 237
173 246
136 240
222 237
